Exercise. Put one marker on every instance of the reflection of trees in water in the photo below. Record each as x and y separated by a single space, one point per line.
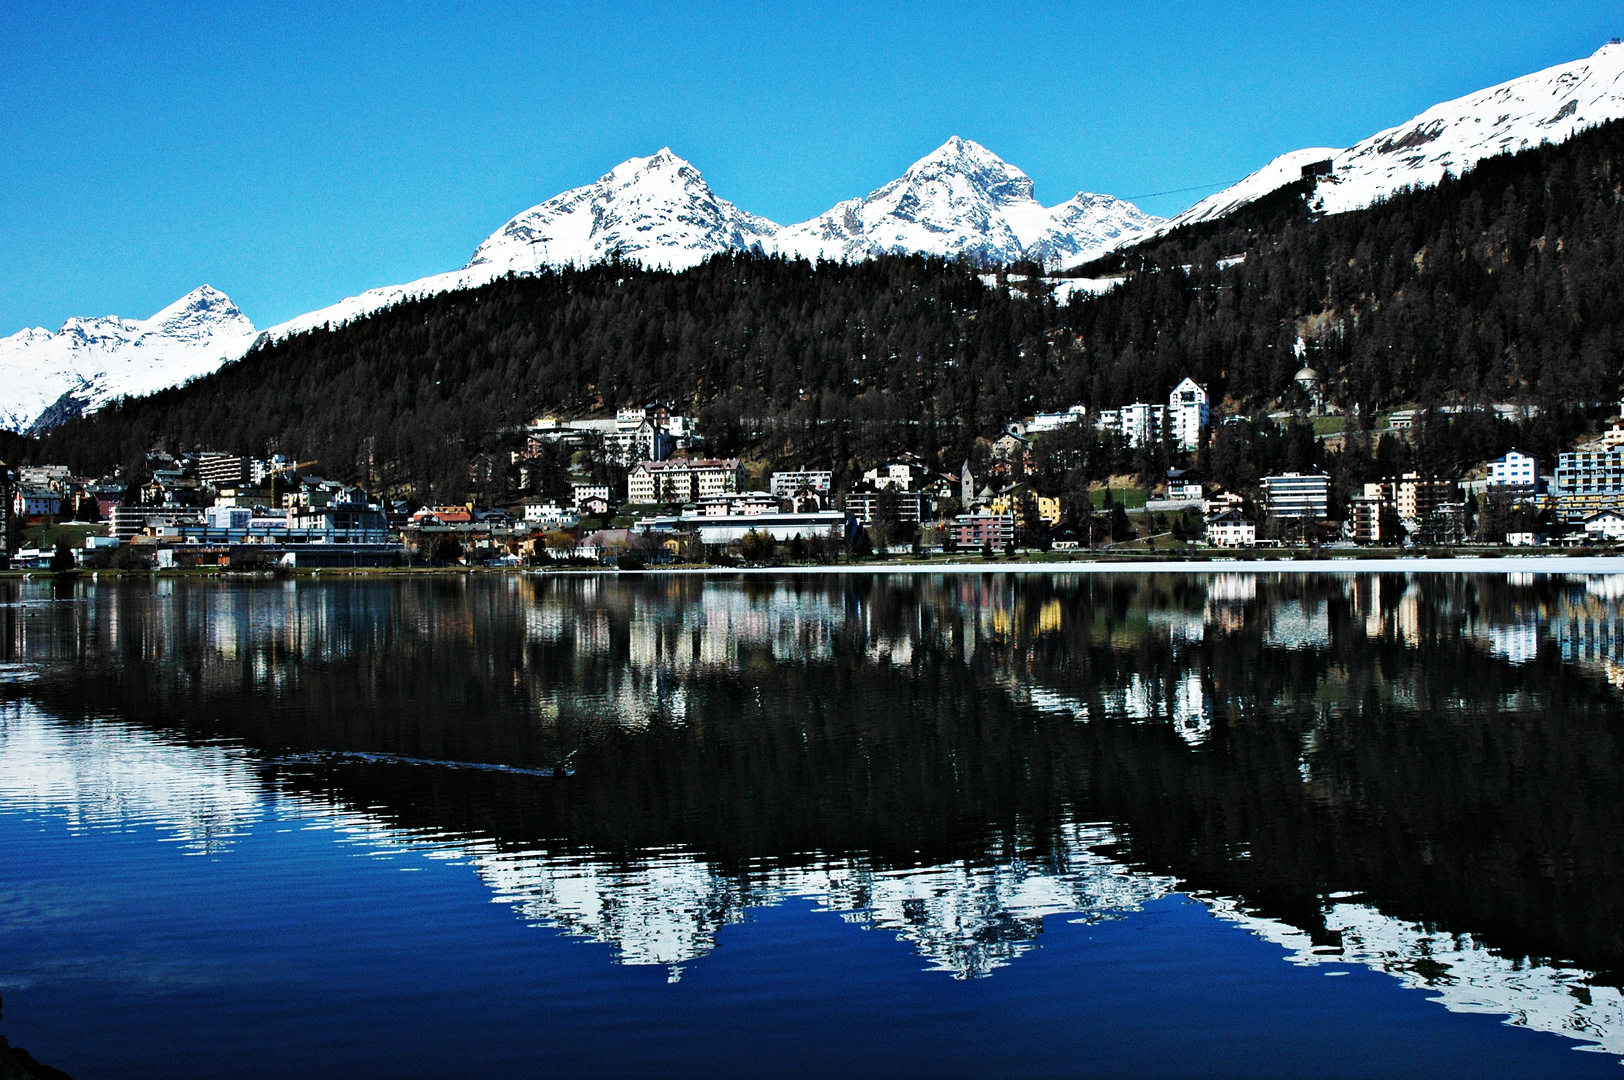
1272 737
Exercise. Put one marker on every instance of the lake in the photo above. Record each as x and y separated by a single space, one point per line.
972 824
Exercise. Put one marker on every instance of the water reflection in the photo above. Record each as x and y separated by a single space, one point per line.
1417 774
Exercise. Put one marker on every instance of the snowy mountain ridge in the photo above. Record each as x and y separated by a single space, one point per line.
92 361
962 199
1547 106
658 210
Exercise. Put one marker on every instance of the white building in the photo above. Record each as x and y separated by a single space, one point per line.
549 515
1187 413
682 480
583 492
1138 423
785 484
1515 470
736 523
899 475
1054 421
1607 525
1297 495
1231 529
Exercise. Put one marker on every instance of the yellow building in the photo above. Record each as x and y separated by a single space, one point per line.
1012 502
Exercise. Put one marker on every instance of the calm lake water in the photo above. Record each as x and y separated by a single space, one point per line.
954 825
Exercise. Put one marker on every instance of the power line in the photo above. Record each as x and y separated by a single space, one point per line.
1182 190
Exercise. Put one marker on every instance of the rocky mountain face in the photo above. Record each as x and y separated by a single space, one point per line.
1547 106
657 209
962 199
47 377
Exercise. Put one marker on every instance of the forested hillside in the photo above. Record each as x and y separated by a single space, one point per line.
1506 284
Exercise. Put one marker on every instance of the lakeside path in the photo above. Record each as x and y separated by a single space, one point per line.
1508 564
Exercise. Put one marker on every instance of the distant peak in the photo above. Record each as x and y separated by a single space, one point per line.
662 160
205 300
959 148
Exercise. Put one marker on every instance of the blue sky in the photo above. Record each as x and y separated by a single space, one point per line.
291 155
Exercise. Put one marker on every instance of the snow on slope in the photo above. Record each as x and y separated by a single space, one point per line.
964 199
657 210
90 362
1547 106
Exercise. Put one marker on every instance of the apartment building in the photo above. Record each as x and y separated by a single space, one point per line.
1293 496
1187 414
1515 471
972 531
1588 482
787 483
681 480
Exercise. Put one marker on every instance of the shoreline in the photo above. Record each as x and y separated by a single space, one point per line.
1464 564
1525 564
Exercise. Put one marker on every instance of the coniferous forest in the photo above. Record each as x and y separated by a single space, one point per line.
1504 285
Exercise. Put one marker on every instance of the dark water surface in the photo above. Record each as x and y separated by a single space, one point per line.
977 825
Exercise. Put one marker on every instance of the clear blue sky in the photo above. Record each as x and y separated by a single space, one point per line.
291 155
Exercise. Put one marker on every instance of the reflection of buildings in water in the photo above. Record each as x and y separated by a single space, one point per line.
1407 618
1579 615
1515 643
1228 597
1182 628
1184 703
1292 624
665 907
1231 588
1607 587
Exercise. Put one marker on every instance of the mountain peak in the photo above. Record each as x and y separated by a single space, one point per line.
982 168
89 362
963 199
657 209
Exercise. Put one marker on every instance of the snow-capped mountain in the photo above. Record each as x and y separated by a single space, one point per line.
658 210
1547 106
46 378
964 199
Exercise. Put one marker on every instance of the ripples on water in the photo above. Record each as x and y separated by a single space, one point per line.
1418 776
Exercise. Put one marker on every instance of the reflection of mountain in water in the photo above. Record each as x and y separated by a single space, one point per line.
916 753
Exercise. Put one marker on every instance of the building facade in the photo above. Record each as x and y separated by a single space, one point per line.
681 480
972 531
1138 423
1187 414
867 506
1516 471
1293 496
1231 529
1588 482
787 483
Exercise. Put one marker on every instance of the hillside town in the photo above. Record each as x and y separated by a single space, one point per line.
639 489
